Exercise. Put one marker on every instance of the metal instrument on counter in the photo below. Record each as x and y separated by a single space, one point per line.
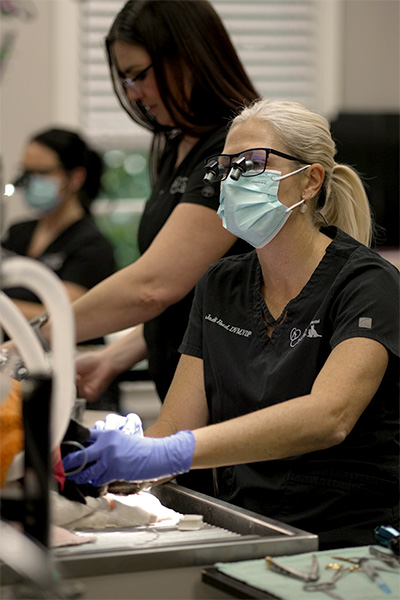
327 586
389 559
369 569
310 576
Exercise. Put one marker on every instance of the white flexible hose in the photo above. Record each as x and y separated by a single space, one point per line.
32 353
19 330
31 274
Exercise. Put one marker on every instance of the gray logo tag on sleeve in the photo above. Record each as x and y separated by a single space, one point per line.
365 322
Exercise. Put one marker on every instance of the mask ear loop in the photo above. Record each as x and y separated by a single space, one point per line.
85 460
290 208
291 173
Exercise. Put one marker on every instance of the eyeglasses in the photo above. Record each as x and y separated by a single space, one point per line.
246 164
133 83
24 178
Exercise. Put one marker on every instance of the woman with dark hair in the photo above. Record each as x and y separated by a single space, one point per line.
61 177
175 72
201 83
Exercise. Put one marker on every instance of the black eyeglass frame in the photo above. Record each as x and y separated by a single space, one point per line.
213 166
23 179
128 82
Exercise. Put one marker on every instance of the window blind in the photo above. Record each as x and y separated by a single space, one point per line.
287 46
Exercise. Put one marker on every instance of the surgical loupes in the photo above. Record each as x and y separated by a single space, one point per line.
240 166
213 170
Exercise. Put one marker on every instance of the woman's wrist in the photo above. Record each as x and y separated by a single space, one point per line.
126 352
115 362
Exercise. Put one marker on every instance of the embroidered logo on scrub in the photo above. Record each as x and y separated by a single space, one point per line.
296 335
54 261
230 328
179 185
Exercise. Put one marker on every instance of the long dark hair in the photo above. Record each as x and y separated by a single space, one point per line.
74 152
181 36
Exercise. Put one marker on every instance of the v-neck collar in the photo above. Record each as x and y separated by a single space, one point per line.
285 319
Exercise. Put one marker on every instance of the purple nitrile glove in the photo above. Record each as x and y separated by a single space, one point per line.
117 456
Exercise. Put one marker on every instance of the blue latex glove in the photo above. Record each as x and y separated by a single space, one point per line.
117 456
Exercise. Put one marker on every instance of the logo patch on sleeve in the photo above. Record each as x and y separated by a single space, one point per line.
365 322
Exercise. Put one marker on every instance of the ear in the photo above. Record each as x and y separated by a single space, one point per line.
316 175
77 178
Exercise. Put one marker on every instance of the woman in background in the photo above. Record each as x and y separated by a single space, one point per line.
171 80
61 177
176 73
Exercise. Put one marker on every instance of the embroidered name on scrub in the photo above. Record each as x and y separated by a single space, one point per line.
230 328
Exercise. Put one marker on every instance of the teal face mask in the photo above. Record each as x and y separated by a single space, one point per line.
43 193
250 209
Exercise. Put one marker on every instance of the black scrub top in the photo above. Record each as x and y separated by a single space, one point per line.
341 493
80 254
164 334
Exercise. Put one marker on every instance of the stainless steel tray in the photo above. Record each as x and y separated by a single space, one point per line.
231 534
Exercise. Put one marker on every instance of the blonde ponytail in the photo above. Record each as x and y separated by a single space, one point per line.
346 204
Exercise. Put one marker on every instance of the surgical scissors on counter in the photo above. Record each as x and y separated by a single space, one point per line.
327 586
366 565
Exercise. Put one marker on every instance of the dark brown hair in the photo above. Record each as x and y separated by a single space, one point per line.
183 35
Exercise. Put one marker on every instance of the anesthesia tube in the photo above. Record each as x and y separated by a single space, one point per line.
19 330
38 278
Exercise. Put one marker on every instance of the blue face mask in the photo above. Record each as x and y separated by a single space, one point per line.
43 193
250 209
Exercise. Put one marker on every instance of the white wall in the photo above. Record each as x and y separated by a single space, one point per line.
26 91
36 82
37 85
371 56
